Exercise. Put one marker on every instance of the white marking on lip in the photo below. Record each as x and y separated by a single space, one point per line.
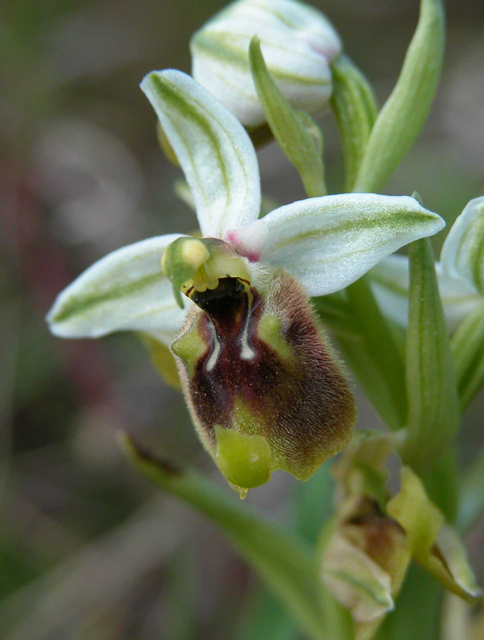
212 361
246 352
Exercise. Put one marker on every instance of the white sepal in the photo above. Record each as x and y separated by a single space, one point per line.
213 149
329 242
463 251
124 291
390 281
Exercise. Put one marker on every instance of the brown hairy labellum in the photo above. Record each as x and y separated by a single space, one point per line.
254 359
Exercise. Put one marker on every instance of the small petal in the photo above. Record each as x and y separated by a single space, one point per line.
213 149
463 251
329 242
125 291
298 43
390 282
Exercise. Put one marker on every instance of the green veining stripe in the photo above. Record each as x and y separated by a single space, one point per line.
77 305
201 117
220 46
351 225
170 94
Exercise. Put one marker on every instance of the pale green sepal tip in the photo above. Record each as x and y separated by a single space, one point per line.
245 460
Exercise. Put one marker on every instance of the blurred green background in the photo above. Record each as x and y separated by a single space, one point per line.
88 549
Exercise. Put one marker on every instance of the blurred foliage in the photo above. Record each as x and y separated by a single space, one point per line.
86 551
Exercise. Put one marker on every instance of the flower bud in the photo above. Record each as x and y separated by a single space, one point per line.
298 44
264 389
366 555
364 564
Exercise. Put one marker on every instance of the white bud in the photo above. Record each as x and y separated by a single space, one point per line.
298 44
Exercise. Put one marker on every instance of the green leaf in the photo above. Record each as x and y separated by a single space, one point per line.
355 108
468 349
431 388
284 563
406 110
289 129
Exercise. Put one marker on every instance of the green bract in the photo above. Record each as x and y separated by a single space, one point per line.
251 354
403 115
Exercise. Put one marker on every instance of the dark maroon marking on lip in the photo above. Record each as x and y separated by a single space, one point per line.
302 405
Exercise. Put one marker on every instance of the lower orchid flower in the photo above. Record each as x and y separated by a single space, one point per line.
460 272
264 387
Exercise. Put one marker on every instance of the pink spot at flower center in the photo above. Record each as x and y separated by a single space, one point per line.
249 240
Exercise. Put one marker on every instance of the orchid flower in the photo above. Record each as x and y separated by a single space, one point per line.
264 387
460 272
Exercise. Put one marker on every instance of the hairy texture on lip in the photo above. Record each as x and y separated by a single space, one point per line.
284 384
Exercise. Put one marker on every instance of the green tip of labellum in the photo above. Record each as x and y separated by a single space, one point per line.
245 460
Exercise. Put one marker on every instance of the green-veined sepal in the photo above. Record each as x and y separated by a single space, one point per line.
124 291
212 147
329 242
